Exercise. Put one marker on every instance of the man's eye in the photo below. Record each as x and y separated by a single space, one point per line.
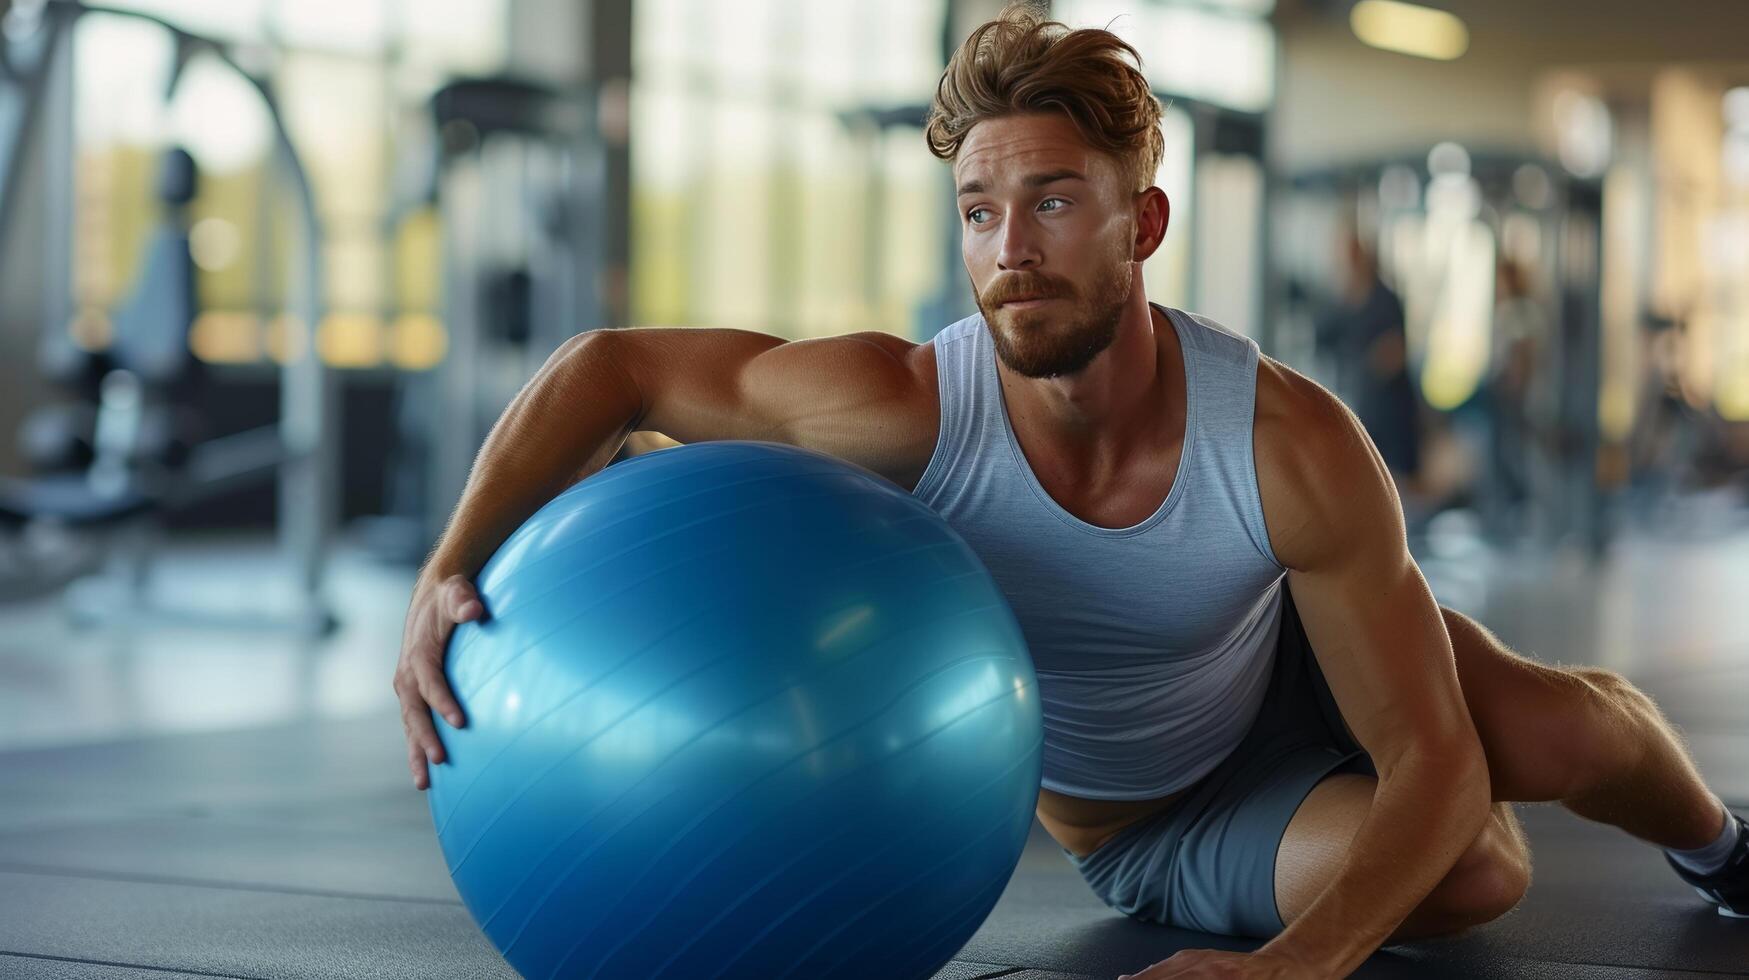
972 215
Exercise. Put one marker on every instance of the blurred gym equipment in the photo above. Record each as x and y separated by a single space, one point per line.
129 450
515 176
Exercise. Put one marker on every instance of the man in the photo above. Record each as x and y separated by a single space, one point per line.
1179 524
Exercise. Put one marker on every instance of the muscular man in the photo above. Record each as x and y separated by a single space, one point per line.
1257 719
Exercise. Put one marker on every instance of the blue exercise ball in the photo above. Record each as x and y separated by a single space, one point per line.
736 710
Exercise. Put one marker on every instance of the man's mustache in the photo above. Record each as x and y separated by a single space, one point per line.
1015 288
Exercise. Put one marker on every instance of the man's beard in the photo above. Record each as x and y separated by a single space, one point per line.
1060 338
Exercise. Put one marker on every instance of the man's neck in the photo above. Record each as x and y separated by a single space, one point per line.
1094 420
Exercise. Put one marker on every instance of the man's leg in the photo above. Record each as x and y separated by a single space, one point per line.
1584 737
1486 882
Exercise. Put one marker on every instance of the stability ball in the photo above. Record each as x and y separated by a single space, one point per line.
736 710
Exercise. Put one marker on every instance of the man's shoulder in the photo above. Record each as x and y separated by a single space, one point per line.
1206 333
1292 408
1316 469
908 367
951 344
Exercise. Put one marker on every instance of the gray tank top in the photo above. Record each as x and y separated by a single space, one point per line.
1153 643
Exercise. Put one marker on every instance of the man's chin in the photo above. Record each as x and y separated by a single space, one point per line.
1035 360
1047 372
1037 367
1032 321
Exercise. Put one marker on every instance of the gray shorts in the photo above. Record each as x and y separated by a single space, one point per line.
1208 861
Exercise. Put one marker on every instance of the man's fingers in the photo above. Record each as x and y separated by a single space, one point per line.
420 681
458 604
464 602
421 733
416 764
435 690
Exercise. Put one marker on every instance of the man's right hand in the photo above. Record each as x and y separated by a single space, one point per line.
438 604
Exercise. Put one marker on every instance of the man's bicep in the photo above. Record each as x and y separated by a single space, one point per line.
861 397
1335 522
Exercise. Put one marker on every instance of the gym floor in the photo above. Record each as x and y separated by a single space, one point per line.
184 803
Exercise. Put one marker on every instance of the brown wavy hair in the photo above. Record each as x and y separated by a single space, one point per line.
1021 62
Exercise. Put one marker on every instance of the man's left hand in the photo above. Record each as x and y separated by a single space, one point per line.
1200 963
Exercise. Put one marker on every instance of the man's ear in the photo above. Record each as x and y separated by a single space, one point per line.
1153 214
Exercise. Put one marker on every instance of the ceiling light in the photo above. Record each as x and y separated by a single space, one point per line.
1410 29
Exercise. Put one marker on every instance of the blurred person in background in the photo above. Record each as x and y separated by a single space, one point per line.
1665 432
1366 333
1517 384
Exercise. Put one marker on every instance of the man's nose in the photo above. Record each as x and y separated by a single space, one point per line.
1019 245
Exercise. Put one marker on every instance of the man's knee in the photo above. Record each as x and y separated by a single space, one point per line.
1483 892
1487 881
1613 692
1610 733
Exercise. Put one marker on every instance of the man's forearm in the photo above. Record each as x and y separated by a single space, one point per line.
566 422
1426 812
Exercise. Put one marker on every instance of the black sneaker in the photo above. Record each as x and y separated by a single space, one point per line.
1728 887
